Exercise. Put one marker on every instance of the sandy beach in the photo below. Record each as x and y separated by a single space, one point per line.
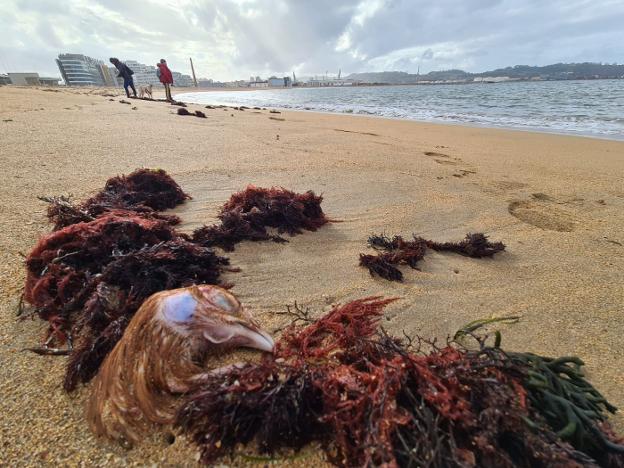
557 202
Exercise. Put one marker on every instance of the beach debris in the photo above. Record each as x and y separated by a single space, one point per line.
397 251
210 107
197 113
7 120
474 245
123 101
373 400
257 108
248 214
159 357
144 191
89 278
178 103
381 265
273 111
108 254
125 283
277 118
63 262
135 108
470 328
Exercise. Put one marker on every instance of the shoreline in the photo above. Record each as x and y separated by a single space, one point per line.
536 129
440 122
556 201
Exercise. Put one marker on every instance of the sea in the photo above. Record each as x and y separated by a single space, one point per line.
590 107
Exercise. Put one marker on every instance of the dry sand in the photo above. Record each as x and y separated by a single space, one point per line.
557 202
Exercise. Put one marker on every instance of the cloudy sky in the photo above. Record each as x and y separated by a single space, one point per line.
233 39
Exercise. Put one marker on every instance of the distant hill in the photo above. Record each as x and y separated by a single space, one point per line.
557 71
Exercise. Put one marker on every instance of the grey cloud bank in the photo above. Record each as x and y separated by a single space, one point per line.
233 39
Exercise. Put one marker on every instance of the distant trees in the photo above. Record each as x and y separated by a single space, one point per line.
557 71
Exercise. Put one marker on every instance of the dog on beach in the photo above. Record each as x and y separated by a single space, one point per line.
145 90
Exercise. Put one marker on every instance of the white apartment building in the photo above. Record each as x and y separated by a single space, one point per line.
80 70
143 74
182 81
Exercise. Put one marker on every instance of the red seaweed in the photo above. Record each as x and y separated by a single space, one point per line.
370 400
144 191
248 214
397 251
89 278
111 252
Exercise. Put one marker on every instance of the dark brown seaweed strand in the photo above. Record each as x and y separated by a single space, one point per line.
249 214
381 265
474 245
397 251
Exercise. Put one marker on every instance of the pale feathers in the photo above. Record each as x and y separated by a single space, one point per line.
158 356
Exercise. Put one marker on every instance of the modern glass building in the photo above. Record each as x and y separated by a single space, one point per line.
80 70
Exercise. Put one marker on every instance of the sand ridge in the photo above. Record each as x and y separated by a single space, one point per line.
557 202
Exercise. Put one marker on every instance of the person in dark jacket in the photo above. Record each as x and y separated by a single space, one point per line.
125 73
166 77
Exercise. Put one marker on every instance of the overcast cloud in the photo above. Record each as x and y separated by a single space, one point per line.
234 39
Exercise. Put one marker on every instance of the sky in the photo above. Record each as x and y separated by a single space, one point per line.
236 39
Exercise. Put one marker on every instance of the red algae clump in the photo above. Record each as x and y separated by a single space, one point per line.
248 214
397 251
372 400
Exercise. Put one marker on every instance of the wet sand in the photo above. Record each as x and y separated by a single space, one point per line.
556 201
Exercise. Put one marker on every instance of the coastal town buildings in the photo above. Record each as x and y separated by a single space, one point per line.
143 74
80 70
109 75
284 82
182 81
31 79
328 82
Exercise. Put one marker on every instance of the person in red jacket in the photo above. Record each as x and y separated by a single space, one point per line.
166 77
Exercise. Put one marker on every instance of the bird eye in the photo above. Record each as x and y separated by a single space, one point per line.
225 303
179 307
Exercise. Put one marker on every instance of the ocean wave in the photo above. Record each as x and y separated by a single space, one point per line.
578 107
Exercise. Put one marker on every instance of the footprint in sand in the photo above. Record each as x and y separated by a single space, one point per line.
446 162
463 173
540 213
436 155
352 131
442 158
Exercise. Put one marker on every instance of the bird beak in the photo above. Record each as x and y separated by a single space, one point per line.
257 339
237 334
269 344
